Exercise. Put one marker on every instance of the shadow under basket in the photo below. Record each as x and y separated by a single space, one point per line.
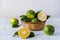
34 26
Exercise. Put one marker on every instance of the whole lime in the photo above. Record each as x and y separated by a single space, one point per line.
35 20
14 21
49 29
30 14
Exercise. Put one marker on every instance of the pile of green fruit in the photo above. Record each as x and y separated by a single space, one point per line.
32 16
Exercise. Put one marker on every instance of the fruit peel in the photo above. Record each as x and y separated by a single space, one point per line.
30 14
49 29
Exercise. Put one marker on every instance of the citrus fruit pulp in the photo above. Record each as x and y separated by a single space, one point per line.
24 32
42 16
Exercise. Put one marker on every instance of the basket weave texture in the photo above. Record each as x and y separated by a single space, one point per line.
34 26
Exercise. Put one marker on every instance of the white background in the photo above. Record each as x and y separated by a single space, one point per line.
15 8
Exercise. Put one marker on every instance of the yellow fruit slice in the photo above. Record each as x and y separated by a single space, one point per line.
24 32
42 16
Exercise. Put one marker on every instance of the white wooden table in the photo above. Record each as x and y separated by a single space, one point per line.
6 31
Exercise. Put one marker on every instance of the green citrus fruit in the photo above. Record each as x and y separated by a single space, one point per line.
35 20
49 29
14 21
30 14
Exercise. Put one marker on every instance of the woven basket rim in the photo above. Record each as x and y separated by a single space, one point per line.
34 22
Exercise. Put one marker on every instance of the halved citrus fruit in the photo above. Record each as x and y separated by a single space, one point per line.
24 32
42 16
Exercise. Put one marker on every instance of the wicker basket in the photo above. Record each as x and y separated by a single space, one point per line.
34 26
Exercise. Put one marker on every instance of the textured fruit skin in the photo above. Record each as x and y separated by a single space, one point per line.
35 20
49 29
14 21
20 32
30 14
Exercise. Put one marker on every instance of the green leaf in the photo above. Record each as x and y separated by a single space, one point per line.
23 16
15 34
37 13
48 16
31 35
15 26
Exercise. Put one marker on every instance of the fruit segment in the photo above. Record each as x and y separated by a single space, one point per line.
24 32
42 16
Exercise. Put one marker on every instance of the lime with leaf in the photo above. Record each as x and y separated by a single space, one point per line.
14 22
